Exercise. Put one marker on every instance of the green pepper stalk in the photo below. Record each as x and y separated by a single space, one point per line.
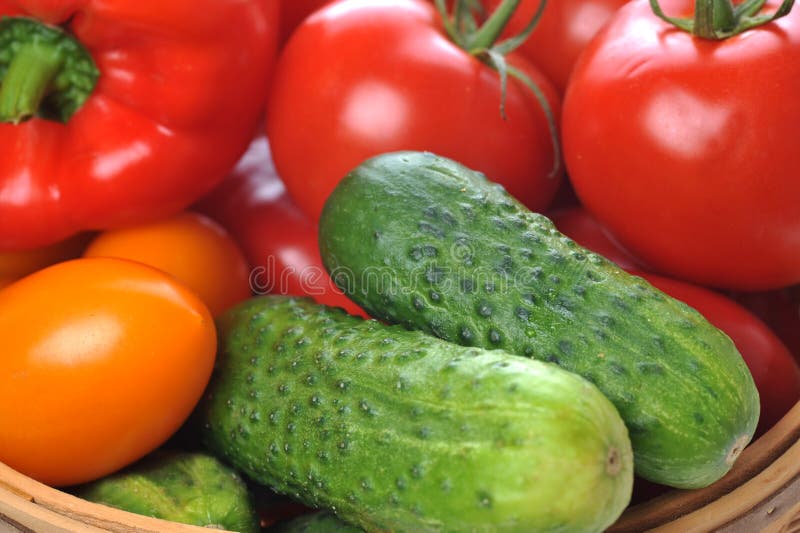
44 72
719 19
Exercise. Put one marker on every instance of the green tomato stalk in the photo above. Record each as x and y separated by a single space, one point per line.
720 19
482 40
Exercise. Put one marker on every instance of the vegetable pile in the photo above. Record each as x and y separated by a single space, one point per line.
421 265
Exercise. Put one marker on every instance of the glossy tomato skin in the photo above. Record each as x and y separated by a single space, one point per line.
780 310
584 229
103 359
277 238
564 30
293 12
684 148
775 372
363 77
191 247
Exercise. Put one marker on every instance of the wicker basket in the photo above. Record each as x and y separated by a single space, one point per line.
761 493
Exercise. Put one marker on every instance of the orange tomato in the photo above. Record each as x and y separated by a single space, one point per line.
102 360
191 247
14 265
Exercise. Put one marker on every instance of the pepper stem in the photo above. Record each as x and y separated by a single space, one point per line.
44 72
28 80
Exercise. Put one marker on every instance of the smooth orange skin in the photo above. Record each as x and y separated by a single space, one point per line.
102 361
189 246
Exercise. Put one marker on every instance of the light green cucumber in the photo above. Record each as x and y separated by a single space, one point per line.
191 488
422 241
394 430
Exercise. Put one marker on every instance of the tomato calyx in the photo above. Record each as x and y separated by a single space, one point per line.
44 72
481 41
720 19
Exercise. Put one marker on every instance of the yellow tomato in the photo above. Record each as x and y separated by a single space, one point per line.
102 360
14 265
191 247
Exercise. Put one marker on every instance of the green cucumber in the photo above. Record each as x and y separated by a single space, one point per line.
394 430
422 241
315 523
191 488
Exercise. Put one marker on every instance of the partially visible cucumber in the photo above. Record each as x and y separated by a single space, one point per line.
420 240
395 430
315 523
191 488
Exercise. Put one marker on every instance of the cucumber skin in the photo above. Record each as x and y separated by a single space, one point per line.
395 430
413 238
315 523
190 488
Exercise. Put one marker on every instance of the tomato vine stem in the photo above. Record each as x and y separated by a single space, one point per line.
483 42
720 19
488 33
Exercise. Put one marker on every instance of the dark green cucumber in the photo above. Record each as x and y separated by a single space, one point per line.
422 241
395 430
191 488
315 523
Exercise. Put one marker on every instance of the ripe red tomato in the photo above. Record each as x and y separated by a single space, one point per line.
293 12
276 237
103 359
191 247
584 229
780 310
775 372
362 77
564 30
685 148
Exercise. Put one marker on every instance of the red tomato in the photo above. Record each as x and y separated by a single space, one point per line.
774 370
780 310
191 247
564 30
276 237
580 226
293 12
685 148
362 77
103 359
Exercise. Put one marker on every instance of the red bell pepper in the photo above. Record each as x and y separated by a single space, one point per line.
276 237
124 111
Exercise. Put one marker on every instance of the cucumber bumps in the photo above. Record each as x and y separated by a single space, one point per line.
191 488
420 240
395 430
